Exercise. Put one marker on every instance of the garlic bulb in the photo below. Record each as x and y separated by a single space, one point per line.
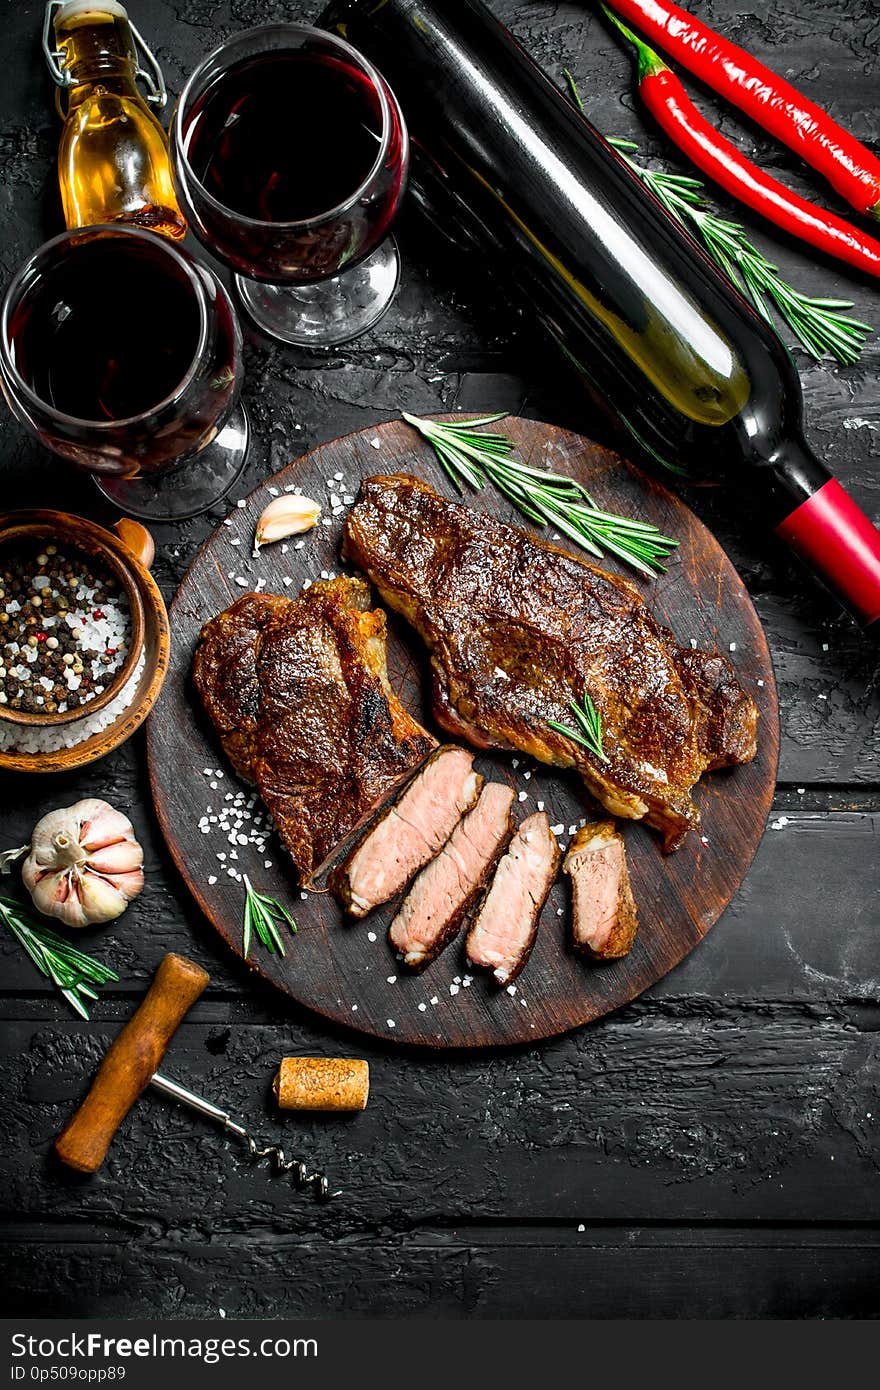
286 516
85 864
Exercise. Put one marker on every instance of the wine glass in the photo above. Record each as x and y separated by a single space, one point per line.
290 156
123 355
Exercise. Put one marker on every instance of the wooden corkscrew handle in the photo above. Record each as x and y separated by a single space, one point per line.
132 1059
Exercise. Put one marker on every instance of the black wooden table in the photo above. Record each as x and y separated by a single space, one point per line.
711 1150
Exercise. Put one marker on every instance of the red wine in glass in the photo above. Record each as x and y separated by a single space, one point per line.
122 355
291 155
73 338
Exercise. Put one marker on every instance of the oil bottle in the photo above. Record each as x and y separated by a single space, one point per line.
113 163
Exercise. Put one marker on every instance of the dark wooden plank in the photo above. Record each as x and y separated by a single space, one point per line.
671 1111
346 971
583 1272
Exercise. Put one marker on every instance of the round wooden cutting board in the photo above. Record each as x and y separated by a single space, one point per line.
346 971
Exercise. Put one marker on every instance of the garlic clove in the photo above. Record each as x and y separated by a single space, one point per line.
123 857
100 900
129 884
100 824
286 516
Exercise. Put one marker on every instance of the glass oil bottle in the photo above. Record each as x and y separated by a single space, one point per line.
113 163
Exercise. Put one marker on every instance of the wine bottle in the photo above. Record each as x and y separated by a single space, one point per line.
503 160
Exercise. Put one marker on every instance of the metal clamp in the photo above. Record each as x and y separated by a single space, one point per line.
148 69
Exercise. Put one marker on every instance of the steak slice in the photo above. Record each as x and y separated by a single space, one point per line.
298 691
518 628
444 892
409 833
604 919
503 931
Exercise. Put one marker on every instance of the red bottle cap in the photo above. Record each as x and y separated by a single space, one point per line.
838 541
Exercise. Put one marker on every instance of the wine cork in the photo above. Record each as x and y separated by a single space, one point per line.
322 1083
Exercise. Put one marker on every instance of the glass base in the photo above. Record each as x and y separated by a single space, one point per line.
329 311
191 488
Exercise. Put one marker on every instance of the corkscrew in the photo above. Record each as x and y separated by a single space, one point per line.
274 1152
132 1063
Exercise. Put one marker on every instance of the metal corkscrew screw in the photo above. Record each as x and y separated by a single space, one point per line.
302 1176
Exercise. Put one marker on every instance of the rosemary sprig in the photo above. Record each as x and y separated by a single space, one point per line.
817 323
550 499
73 972
589 727
264 915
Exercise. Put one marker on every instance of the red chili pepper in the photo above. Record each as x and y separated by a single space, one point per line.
768 99
670 105
97 613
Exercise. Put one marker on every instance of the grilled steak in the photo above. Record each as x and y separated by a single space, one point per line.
445 890
604 920
503 931
225 673
409 833
518 628
298 692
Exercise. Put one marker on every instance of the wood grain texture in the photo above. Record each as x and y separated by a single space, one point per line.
713 1137
346 971
133 1058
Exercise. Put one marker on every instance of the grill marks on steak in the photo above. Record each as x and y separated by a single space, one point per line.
517 627
409 833
298 692
440 899
604 918
505 925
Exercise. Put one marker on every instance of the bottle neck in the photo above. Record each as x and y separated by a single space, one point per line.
792 475
823 525
97 47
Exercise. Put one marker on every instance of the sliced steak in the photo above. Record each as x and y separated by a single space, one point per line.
503 931
604 919
298 692
444 892
518 628
409 833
